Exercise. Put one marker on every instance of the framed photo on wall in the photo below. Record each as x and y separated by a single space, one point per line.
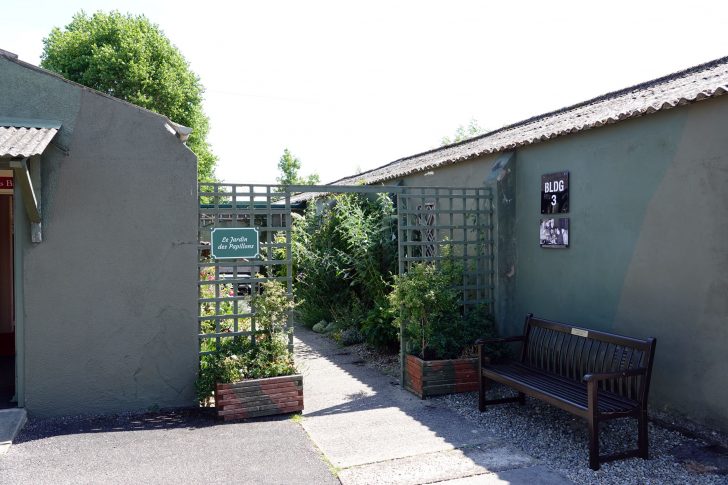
554 232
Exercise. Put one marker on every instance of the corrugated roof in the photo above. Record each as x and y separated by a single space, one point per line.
26 138
684 87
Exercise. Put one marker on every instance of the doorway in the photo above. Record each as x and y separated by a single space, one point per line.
7 297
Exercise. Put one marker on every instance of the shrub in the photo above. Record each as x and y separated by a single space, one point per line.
378 328
351 336
344 255
264 355
426 301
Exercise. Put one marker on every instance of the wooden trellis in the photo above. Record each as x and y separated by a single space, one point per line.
434 223
226 288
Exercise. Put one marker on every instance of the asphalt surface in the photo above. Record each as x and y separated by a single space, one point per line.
368 431
171 447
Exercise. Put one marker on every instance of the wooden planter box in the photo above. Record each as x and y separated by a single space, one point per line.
431 378
259 397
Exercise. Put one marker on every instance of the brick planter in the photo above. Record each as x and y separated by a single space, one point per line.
431 378
259 397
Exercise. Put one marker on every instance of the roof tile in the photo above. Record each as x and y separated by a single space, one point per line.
678 89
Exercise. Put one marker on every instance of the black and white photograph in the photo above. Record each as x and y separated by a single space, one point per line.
555 233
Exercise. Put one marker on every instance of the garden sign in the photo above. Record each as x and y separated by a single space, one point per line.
234 243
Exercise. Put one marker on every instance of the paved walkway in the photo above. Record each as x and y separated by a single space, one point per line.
373 432
368 429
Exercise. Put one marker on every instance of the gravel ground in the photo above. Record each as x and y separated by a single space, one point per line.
561 440
386 363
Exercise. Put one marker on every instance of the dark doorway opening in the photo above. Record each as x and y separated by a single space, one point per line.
7 304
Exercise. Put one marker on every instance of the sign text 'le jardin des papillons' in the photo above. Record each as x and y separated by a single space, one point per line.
233 243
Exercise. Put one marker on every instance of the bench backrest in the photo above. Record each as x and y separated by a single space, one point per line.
571 352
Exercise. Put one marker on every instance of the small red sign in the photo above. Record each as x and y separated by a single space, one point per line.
6 183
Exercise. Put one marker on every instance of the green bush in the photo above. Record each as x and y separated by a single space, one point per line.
426 302
378 328
344 255
239 358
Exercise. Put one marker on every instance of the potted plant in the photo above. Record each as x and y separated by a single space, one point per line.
255 376
437 334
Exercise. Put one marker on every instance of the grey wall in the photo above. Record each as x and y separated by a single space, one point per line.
649 244
110 294
471 173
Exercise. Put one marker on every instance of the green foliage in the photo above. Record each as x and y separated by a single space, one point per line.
241 358
320 327
130 58
289 165
272 306
463 133
344 255
426 302
428 307
351 336
378 327
231 304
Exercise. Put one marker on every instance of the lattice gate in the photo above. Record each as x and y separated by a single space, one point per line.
434 223
227 287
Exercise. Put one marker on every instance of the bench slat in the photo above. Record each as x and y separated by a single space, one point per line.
573 393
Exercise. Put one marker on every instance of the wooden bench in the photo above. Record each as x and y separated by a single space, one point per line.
594 375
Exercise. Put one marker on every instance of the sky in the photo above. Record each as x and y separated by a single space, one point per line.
349 86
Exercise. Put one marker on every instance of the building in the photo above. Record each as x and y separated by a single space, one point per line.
98 221
646 222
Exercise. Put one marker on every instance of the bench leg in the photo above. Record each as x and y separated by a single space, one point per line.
593 400
642 441
593 444
481 393
521 398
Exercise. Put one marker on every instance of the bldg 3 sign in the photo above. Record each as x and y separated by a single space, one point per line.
555 193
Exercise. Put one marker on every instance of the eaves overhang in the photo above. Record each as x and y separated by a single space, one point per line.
22 142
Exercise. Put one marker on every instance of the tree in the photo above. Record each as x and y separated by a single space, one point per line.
463 133
289 165
130 58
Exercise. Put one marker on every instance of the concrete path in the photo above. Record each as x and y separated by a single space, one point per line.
11 422
373 432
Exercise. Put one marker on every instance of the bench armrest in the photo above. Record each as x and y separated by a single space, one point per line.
483 341
603 376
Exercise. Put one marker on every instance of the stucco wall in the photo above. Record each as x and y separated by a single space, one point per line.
648 251
110 294
471 173
649 245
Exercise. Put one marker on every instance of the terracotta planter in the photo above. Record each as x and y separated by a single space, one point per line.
430 378
259 397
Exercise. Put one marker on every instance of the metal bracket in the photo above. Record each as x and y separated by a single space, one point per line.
29 183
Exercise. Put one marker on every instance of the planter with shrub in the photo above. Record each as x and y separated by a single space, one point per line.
438 336
251 376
